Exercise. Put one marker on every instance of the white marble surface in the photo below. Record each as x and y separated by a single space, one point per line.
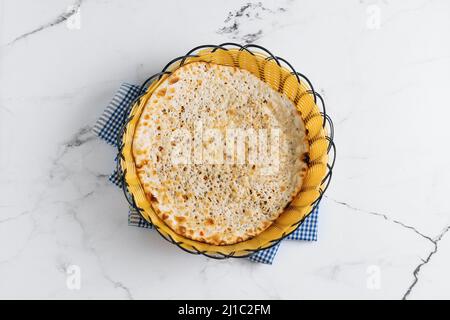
383 225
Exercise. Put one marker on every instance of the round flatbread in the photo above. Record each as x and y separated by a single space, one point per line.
219 153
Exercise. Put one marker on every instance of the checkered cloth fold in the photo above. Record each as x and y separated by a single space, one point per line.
108 128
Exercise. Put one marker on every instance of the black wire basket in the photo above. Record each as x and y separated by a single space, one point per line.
262 63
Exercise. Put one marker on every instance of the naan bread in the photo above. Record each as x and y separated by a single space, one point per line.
212 195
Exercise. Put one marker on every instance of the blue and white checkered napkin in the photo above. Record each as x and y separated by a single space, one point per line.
108 127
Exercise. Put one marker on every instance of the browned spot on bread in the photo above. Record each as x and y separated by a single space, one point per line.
201 233
161 92
164 216
209 222
215 238
174 79
180 219
151 197
182 230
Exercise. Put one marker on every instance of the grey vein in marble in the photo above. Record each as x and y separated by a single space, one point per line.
27 240
252 37
424 262
72 211
434 241
82 136
6 109
57 20
384 216
23 213
235 21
